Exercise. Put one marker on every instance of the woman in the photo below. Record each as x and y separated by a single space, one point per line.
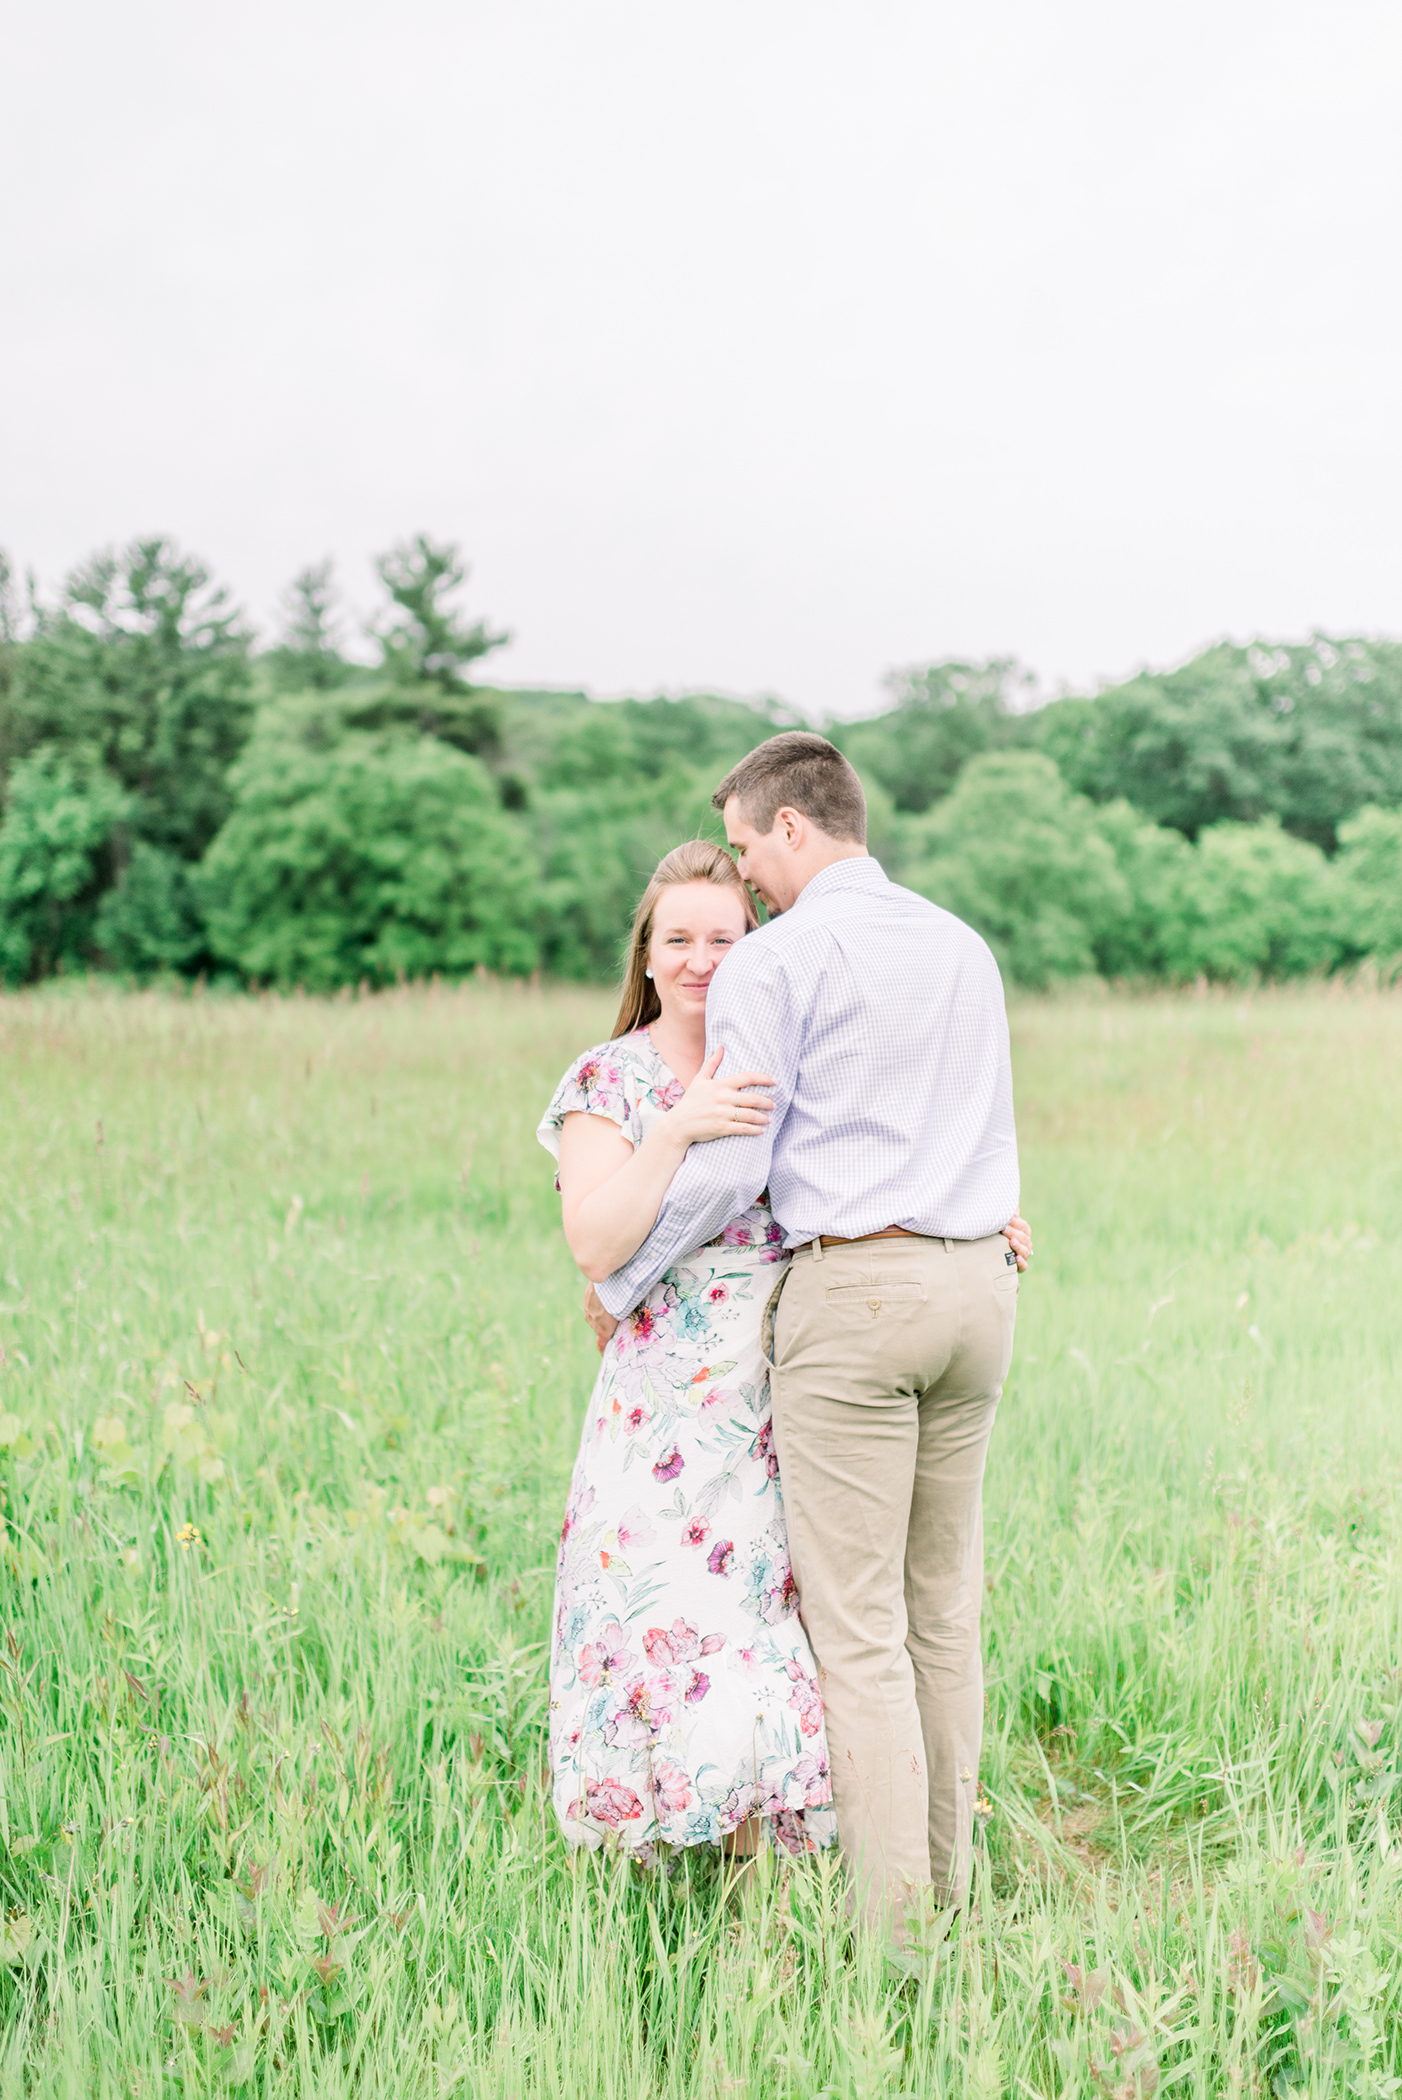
684 1705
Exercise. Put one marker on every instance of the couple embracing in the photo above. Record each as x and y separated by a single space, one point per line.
792 1178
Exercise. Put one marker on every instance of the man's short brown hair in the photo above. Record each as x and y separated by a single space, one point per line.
798 771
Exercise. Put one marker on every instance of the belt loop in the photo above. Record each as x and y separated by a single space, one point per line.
818 1247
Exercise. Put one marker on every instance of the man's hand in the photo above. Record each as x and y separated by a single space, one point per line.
1018 1234
602 1320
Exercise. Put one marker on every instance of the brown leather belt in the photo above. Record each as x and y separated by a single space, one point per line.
886 1232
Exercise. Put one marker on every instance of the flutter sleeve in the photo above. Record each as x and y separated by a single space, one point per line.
604 1082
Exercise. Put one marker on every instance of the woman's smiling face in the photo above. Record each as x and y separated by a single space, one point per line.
694 928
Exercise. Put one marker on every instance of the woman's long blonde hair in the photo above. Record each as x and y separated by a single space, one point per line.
696 861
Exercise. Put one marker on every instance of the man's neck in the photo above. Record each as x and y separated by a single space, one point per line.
816 858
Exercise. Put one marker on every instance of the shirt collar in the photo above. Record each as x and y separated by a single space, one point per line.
861 872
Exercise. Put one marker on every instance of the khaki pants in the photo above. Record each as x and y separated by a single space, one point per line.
887 1360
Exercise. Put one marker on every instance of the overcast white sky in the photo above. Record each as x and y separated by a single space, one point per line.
759 345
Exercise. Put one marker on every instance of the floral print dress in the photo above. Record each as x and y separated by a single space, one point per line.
683 1694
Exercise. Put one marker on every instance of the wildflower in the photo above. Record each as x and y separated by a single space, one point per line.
186 1537
189 1991
1242 1971
696 1531
721 1557
669 1465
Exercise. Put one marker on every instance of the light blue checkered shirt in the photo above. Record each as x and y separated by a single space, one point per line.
881 1019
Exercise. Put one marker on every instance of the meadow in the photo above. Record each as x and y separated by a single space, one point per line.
292 1373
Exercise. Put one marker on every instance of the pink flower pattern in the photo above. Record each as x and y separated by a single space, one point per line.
671 1786
611 1803
805 1698
680 1704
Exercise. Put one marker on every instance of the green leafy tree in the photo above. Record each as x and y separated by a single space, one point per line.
55 852
1017 855
945 714
1254 903
307 657
427 640
1155 863
9 650
1369 870
150 919
144 667
427 645
353 856
1308 733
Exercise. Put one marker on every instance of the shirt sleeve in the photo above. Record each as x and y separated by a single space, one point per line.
602 1082
748 1013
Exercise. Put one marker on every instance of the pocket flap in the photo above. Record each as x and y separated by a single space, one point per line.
863 1294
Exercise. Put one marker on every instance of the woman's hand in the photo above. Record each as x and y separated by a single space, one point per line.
600 1318
1018 1234
612 1192
719 1108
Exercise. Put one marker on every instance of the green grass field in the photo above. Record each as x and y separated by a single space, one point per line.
292 1372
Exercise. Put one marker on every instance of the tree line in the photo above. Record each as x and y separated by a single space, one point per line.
175 798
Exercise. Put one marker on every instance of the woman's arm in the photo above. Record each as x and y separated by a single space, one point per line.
613 1191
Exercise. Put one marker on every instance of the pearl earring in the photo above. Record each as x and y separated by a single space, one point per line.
648 972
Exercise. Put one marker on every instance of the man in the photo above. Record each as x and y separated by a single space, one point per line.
891 1163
